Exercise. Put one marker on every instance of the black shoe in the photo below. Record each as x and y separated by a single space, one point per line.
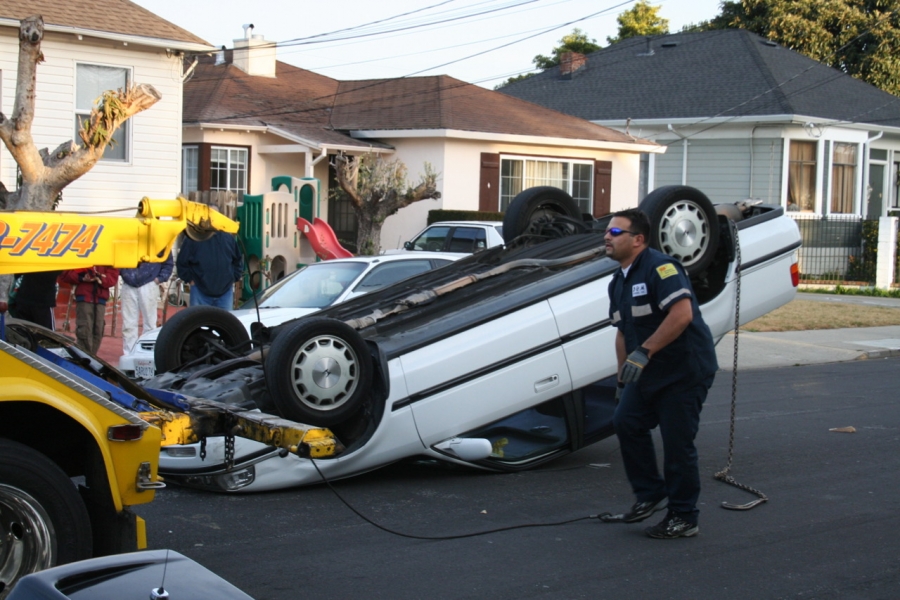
642 510
672 527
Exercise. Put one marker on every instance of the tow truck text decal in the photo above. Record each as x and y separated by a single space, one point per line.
53 239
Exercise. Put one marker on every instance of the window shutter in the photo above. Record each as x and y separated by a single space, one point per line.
489 190
602 184
204 177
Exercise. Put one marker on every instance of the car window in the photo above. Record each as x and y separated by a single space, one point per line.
526 435
431 239
391 272
314 286
467 239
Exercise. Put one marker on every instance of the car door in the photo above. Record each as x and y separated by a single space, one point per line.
486 373
466 239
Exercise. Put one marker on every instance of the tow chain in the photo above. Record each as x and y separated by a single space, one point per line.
725 474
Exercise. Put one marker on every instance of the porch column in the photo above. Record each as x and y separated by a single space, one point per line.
887 252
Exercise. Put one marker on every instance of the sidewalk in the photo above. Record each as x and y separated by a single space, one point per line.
792 348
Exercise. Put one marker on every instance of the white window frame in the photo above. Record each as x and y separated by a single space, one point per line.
855 184
229 171
187 169
525 184
81 113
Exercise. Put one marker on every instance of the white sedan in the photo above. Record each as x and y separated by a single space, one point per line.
501 361
304 291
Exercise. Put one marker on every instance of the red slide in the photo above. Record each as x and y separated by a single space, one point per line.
322 239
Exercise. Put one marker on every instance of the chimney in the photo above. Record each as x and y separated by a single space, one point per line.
570 63
254 55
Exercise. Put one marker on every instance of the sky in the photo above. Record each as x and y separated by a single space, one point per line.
478 41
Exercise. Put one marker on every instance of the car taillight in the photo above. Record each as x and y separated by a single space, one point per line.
795 274
124 433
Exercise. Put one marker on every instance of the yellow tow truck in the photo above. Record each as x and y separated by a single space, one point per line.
80 442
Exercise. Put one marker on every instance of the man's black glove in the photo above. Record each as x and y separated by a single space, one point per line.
634 365
619 388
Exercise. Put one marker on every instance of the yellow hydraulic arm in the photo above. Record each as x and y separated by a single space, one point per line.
49 241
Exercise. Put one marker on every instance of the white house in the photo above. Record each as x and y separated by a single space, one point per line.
91 46
249 118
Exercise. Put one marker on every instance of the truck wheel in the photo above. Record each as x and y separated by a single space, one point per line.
319 371
195 332
535 206
43 521
683 224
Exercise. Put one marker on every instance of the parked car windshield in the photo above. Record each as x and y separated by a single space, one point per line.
314 286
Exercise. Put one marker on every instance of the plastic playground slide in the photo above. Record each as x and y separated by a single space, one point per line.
322 239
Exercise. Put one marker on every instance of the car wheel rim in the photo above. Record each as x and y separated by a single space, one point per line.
325 373
684 232
27 537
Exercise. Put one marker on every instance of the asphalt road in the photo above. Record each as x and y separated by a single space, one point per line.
828 531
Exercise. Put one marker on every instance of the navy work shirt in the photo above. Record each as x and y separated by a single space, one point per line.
638 304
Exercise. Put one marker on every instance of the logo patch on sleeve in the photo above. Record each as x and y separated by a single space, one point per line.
666 270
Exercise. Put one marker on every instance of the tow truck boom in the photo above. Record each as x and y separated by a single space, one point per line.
48 241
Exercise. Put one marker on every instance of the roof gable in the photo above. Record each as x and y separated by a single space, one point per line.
723 73
110 16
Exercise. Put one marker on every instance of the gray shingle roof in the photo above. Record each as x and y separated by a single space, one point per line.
728 73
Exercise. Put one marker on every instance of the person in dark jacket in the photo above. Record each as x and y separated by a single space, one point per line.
35 298
667 362
211 267
140 297
91 293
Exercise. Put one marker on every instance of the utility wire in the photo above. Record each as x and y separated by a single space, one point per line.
269 112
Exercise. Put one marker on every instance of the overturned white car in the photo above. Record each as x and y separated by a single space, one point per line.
497 361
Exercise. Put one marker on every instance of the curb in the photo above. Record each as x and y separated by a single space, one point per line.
878 354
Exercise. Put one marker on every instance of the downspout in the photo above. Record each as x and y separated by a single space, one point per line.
684 162
752 132
312 162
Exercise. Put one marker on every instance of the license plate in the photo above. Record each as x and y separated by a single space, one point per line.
144 368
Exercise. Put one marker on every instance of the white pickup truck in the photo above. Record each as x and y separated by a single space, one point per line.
501 360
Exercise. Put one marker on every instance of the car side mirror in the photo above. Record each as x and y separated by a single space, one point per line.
407 245
468 449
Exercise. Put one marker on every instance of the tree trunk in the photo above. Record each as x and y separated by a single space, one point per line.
45 174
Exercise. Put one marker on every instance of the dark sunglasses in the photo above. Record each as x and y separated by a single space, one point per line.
616 232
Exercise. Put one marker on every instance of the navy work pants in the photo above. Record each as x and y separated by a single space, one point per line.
678 416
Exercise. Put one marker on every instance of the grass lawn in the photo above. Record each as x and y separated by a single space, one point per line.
800 315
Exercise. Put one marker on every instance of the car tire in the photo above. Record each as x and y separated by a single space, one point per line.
319 371
534 206
683 224
194 332
43 521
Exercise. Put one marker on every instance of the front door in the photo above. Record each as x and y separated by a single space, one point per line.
875 207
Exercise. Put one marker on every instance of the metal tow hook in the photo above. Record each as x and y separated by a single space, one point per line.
145 481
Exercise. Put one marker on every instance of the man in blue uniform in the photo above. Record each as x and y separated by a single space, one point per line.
667 363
